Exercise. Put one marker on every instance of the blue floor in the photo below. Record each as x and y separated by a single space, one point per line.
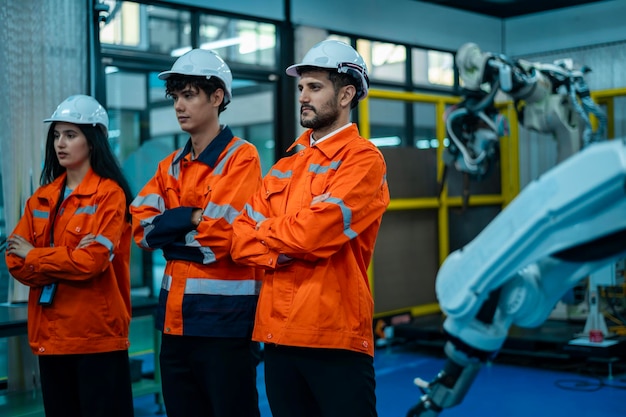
500 390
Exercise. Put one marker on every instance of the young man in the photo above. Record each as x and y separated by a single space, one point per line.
207 302
312 226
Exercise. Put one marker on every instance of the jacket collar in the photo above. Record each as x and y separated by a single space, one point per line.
330 146
88 186
211 153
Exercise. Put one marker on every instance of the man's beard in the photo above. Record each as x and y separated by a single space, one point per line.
325 118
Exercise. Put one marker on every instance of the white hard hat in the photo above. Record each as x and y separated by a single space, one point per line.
203 63
81 110
334 54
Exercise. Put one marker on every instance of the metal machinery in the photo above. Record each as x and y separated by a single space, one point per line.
562 227
548 98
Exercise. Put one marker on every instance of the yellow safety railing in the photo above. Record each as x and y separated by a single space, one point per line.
509 172
607 98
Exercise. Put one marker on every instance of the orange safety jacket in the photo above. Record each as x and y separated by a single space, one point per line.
91 310
316 291
203 292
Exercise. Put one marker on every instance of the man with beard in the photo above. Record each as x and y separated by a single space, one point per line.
312 227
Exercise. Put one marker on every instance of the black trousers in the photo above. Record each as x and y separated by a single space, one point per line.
209 376
308 382
87 385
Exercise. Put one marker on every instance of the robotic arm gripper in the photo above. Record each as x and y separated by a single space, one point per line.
560 228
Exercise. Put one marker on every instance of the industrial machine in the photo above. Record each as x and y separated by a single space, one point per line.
562 227
548 98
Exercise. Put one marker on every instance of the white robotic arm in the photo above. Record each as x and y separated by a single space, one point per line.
549 98
560 228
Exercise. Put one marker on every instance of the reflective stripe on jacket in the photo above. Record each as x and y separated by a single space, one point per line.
91 309
321 297
204 293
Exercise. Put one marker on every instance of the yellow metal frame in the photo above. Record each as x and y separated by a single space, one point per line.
606 98
509 173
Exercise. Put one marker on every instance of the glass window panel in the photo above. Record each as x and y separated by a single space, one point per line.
432 67
119 83
237 40
385 61
159 30
251 116
168 29
387 122
425 133
125 109
262 135
156 89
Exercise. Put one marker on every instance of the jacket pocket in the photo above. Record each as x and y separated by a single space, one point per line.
74 233
276 193
40 229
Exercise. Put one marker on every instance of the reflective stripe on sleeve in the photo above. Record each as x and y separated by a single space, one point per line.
254 215
151 200
347 216
107 244
216 211
220 166
208 256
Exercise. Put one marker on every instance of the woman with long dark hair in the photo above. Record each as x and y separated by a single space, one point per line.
72 248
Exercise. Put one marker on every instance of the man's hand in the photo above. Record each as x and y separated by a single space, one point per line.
196 217
86 241
320 198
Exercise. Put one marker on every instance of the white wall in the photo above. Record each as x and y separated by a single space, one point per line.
267 9
441 27
407 21
593 35
572 27
403 21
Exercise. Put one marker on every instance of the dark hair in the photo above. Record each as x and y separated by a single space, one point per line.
178 82
103 161
339 79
